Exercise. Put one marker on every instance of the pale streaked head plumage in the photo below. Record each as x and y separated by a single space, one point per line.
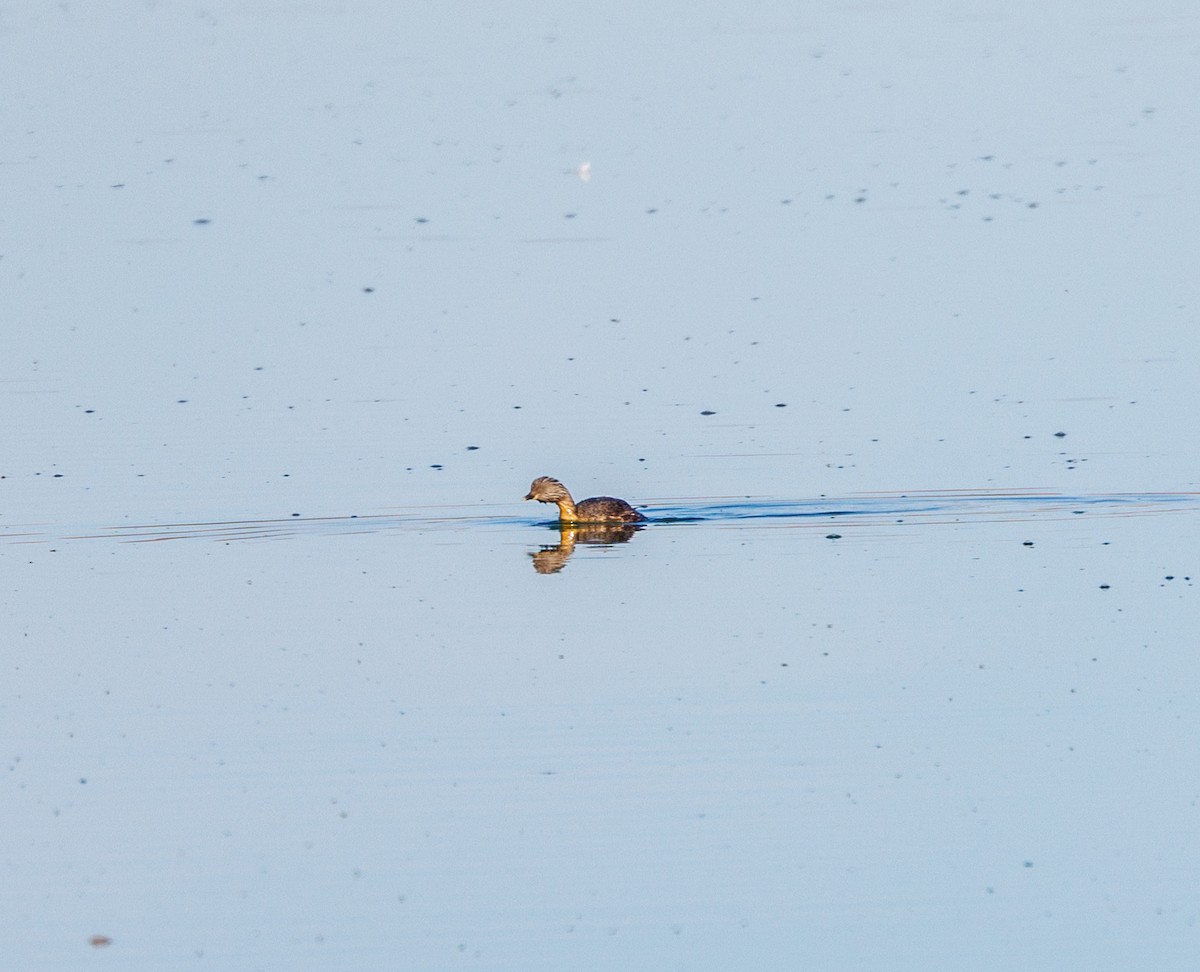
547 489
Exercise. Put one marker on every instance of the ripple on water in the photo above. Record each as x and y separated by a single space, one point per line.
912 508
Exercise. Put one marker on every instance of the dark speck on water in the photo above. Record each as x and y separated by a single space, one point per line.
201 222
472 448
1060 435
708 412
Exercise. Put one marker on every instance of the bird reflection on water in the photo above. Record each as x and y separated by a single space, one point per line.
551 559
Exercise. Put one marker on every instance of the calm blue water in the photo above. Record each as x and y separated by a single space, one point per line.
884 312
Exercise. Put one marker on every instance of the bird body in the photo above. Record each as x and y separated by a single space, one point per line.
596 509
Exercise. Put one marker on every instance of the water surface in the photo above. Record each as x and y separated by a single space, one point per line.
886 313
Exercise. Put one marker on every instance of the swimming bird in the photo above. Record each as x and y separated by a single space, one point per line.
597 509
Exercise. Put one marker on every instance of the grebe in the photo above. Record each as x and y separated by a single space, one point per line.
598 509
